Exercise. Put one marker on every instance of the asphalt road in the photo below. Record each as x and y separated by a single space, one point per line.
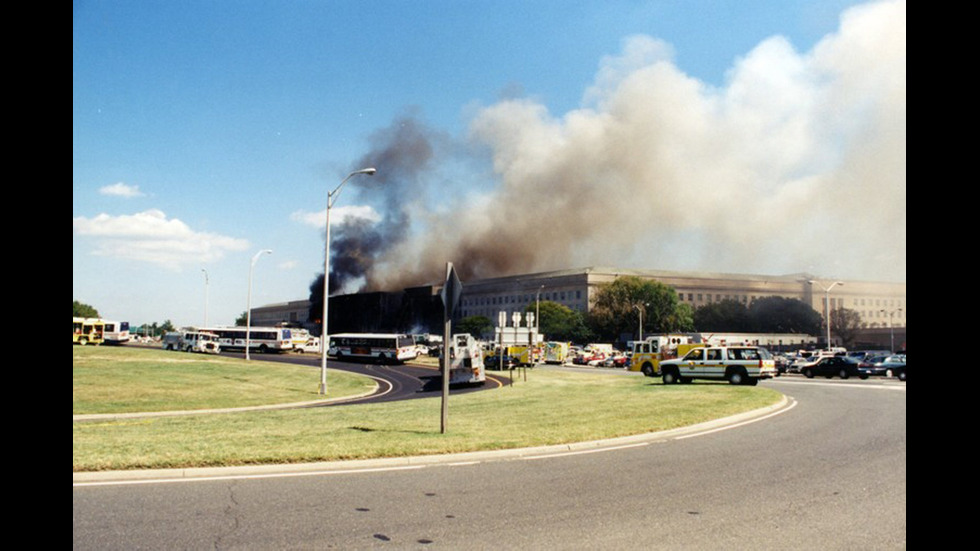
828 472
396 382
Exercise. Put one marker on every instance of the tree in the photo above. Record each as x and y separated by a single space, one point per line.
683 318
477 326
82 310
242 320
784 315
616 308
728 315
558 322
845 323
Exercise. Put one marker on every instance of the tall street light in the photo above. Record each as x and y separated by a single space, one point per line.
206 285
891 326
639 308
537 307
324 334
827 303
248 314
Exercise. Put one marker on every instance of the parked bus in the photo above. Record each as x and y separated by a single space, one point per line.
263 339
380 347
116 332
87 331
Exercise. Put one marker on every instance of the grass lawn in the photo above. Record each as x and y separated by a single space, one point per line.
127 379
552 407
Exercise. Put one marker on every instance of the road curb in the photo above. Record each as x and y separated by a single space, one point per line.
300 469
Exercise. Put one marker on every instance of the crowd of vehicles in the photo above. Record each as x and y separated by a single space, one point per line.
845 364
682 357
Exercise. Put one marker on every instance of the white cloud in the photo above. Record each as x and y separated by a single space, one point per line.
338 216
151 237
120 189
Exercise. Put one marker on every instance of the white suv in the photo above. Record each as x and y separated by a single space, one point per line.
739 365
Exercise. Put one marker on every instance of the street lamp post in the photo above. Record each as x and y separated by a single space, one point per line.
891 326
537 306
206 286
324 334
248 314
827 303
639 308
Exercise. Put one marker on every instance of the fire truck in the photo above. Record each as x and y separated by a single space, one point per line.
647 354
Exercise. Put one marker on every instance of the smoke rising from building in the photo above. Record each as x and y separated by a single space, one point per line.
796 163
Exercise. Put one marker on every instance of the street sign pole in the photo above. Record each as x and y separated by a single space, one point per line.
450 298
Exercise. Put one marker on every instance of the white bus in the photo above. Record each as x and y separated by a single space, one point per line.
263 339
380 347
116 332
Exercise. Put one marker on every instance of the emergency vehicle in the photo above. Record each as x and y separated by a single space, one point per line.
555 352
466 361
647 354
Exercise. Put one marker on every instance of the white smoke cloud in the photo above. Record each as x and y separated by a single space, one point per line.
796 163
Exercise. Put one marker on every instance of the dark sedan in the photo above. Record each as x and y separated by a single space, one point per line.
873 365
839 366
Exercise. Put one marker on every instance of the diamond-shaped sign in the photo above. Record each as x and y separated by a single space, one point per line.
451 291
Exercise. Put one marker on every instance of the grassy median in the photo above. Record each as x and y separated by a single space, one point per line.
551 407
129 379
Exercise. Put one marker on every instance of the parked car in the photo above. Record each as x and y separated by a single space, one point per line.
492 361
865 355
893 366
801 363
616 360
899 372
782 362
830 366
872 364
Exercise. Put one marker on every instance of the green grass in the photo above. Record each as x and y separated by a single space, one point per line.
552 407
127 379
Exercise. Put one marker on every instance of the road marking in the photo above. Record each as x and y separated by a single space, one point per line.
742 424
583 452
257 476
883 385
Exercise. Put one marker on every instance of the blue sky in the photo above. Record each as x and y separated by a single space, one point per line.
206 131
